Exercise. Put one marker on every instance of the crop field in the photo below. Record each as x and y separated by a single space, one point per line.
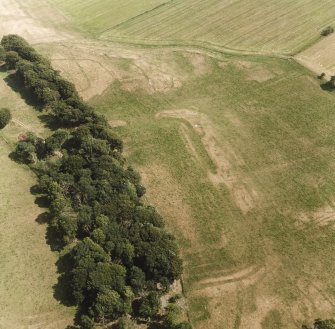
320 57
96 16
28 270
260 25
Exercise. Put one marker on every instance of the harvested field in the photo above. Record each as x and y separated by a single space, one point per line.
320 57
259 26
96 16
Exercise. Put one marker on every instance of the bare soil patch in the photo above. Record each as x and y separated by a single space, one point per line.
322 216
199 62
255 71
117 123
223 155
93 66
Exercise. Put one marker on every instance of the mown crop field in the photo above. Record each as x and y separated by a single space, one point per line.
240 161
261 26
96 16
320 57
28 270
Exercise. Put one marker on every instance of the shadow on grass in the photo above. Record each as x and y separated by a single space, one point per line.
35 190
13 156
43 218
42 201
53 239
17 86
62 289
50 122
327 86
3 68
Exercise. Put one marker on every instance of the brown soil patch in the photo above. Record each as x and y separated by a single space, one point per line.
215 287
255 71
199 62
93 66
263 306
322 216
222 64
117 123
188 142
223 155
260 74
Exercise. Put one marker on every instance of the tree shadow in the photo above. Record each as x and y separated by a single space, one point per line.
18 86
3 68
53 239
327 86
62 289
35 189
43 218
42 201
50 122
13 156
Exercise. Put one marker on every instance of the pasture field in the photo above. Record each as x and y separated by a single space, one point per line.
28 270
260 26
240 161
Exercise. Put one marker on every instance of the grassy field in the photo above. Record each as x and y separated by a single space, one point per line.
28 270
260 25
240 160
236 152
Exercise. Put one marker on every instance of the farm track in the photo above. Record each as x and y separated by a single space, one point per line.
207 48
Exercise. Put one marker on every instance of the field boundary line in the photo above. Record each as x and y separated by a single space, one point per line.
207 46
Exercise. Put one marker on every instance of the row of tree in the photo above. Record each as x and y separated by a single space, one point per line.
120 257
321 324
5 117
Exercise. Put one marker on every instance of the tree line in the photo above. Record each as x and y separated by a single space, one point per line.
119 257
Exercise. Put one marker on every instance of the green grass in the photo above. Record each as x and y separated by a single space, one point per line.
260 25
28 270
278 136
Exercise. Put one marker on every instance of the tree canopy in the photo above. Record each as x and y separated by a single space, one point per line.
5 117
117 246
